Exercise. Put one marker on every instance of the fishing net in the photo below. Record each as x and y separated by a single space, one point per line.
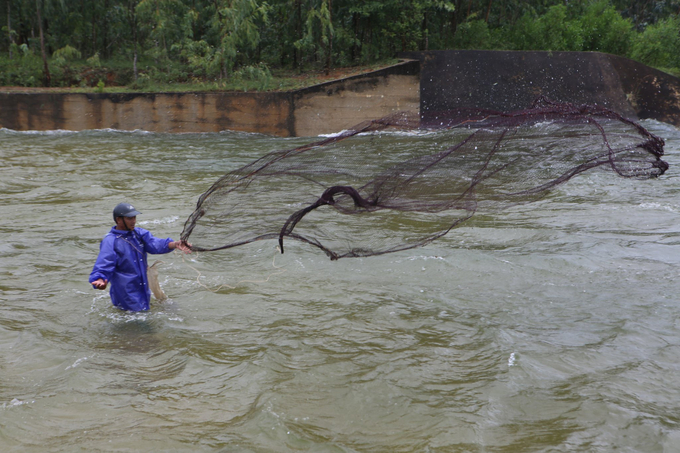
154 285
364 193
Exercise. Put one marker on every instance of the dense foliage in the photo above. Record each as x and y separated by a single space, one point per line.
139 42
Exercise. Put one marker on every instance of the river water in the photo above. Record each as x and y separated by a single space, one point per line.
554 326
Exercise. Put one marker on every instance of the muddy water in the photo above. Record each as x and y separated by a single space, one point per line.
549 327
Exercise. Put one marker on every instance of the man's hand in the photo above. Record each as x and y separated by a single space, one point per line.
183 246
100 283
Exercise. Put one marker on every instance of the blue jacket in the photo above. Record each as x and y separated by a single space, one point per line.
122 261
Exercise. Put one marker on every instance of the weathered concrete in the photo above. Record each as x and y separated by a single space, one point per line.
324 108
339 105
511 80
268 113
651 93
432 82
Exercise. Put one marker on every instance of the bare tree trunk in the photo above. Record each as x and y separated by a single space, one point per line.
104 34
488 10
94 31
456 17
297 55
644 8
9 27
134 61
426 34
132 17
46 70
330 37
355 26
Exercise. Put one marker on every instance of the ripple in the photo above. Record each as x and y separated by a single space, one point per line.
550 327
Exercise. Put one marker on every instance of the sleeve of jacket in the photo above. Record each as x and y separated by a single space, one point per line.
153 244
106 260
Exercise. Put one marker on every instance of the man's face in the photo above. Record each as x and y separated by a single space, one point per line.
127 222
130 222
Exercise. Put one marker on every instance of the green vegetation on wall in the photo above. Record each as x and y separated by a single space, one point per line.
248 44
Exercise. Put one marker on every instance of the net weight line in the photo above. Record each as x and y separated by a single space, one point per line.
215 290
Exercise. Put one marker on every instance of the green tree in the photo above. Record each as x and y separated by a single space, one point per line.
473 34
643 13
605 30
317 38
659 44
231 35
47 78
162 22
364 24
8 29
131 16
178 40
553 30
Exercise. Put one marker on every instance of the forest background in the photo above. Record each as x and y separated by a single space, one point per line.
173 45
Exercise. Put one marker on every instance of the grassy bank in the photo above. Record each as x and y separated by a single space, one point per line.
81 78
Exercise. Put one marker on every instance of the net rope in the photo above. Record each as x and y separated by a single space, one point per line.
361 193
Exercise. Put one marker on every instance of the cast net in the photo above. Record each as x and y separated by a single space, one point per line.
363 193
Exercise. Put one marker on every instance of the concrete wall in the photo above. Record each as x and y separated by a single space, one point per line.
511 80
268 113
339 105
432 82
325 108
651 93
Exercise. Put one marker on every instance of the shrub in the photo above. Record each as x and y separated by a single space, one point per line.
659 44
473 34
604 29
258 74
24 69
551 31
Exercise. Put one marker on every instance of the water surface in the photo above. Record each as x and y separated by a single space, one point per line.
552 326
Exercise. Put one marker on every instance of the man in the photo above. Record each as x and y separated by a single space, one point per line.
122 260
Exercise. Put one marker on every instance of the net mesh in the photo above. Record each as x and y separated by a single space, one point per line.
361 194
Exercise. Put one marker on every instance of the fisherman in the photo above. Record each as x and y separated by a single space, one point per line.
122 260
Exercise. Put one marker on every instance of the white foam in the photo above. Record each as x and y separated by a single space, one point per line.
335 134
658 206
421 257
163 221
413 132
15 402
126 316
122 131
76 363
51 132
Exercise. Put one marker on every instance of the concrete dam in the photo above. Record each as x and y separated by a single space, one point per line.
425 83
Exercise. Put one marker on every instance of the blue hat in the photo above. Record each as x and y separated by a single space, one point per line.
124 210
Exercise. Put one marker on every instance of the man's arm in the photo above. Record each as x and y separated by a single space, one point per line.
105 264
